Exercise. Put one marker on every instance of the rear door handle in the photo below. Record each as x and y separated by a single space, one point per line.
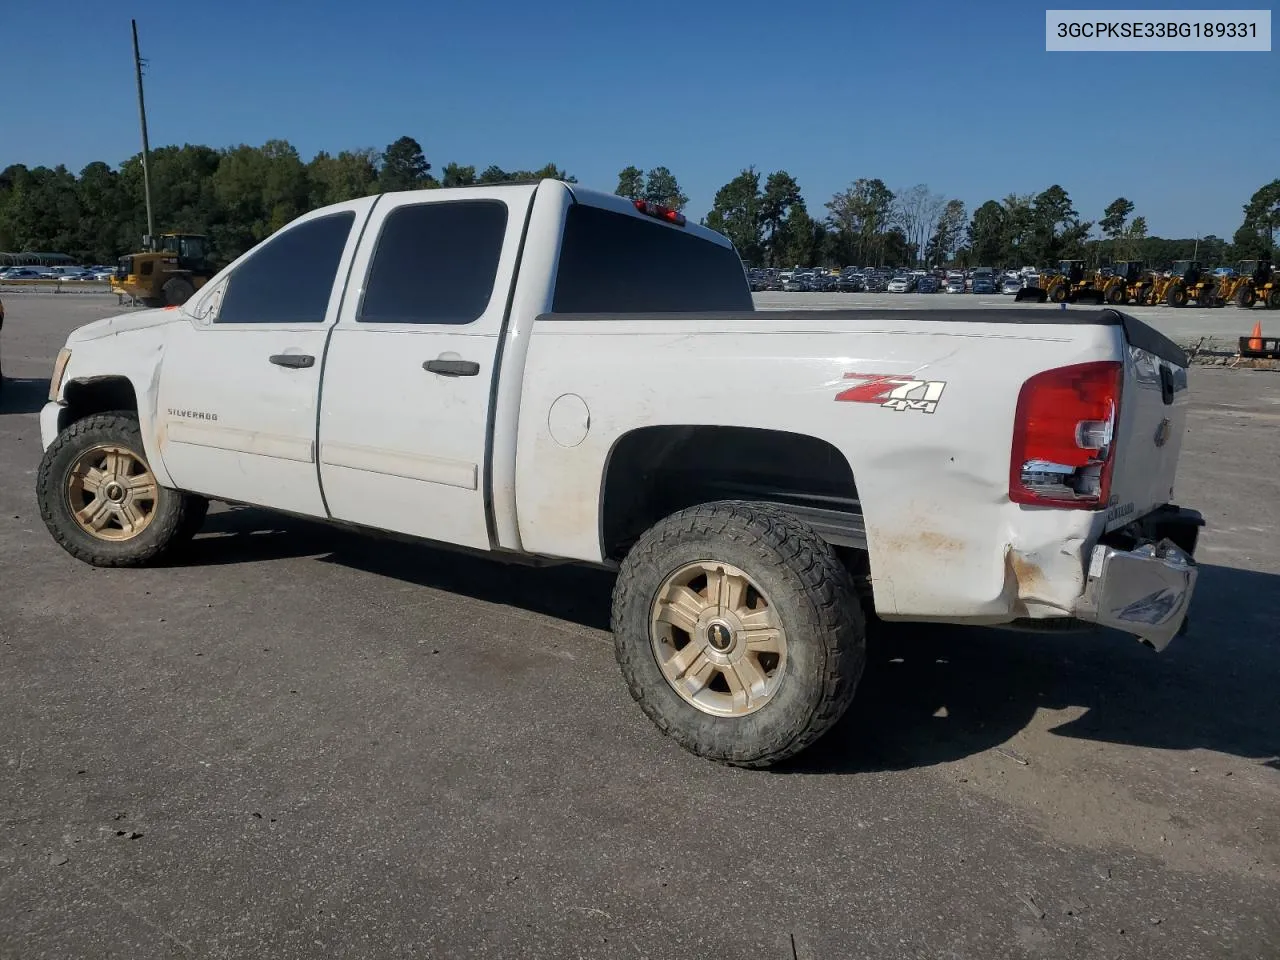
452 368
296 360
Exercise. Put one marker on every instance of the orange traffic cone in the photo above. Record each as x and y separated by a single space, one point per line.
1255 338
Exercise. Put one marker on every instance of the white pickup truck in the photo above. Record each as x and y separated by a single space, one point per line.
547 373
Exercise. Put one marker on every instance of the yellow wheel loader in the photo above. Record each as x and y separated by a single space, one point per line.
170 268
1255 282
1186 281
1069 285
1131 282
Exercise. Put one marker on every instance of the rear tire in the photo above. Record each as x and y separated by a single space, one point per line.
1246 297
733 573
101 502
177 291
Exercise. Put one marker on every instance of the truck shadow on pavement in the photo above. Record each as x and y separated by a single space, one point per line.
580 595
23 395
930 694
934 694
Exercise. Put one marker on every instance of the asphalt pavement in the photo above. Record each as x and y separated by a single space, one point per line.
295 741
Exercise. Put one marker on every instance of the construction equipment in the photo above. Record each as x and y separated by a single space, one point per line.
170 268
1120 283
1135 283
1186 281
1255 281
1069 284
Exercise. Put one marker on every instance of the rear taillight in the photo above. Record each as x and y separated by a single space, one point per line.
1064 436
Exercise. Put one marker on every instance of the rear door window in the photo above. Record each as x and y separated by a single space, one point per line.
615 263
435 263
290 277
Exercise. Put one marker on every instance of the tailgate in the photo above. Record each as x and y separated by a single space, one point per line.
1153 412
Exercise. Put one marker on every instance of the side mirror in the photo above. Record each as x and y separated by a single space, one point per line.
147 241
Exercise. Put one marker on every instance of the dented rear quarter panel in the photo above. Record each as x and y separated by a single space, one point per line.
944 539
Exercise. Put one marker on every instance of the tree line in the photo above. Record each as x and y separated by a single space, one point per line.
236 196
239 195
868 223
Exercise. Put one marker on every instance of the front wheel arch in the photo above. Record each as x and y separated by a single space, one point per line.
87 396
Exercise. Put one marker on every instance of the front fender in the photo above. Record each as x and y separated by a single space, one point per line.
135 356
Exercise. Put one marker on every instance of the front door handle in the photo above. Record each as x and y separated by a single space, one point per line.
297 360
452 368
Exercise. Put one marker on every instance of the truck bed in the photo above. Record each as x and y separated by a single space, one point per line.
932 477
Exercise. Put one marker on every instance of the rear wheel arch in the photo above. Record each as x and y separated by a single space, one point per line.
652 472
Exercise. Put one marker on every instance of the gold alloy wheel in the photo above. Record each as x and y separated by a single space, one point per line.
112 493
717 639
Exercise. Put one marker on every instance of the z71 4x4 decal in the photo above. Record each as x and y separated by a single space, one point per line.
894 392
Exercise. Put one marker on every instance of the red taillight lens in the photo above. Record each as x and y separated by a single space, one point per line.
1064 436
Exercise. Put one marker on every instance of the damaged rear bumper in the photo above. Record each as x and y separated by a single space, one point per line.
1145 589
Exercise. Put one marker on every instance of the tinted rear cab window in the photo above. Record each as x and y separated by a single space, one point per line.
435 263
615 263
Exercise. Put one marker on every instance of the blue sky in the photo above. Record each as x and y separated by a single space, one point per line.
962 97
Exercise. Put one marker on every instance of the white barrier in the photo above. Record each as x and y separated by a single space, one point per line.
55 286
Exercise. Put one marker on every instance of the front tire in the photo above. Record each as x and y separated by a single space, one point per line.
1177 296
1246 296
738 632
102 503
1116 295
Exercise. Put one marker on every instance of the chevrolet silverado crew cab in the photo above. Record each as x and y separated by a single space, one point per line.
548 374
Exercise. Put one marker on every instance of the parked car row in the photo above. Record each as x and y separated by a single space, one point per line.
78 274
888 280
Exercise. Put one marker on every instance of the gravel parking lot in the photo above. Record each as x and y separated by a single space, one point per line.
298 742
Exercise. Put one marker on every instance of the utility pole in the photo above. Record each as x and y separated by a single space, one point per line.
142 118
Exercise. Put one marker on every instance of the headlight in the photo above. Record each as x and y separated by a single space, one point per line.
59 368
